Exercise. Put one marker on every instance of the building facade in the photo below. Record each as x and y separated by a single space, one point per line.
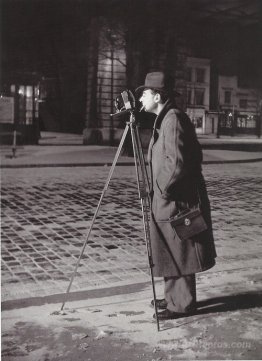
198 92
87 53
19 110
239 107
119 60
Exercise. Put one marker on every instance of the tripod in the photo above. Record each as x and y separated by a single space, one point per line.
143 187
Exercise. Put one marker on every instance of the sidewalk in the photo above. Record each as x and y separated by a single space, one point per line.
65 150
118 326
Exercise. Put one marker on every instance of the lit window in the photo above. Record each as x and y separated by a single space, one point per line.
21 90
198 122
29 91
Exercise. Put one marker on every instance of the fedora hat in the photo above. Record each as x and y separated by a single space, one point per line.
158 80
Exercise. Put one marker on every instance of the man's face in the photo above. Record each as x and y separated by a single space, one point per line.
148 101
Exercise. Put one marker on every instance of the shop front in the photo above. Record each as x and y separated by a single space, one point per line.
19 111
237 123
198 118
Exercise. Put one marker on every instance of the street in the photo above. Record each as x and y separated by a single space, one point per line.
46 213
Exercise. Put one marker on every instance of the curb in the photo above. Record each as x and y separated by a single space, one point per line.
73 296
109 164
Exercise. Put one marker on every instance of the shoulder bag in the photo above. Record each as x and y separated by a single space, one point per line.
189 222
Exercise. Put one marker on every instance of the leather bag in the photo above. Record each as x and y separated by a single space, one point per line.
189 223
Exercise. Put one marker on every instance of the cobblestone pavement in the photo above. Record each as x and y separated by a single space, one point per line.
46 213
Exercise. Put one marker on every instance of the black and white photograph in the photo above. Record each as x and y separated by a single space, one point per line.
131 180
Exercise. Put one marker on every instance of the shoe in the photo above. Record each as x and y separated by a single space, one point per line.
170 315
160 303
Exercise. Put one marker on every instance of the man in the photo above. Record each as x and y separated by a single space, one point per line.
175 158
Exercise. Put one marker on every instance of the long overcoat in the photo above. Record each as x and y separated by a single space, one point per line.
175 158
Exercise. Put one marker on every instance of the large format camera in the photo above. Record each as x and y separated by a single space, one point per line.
125 101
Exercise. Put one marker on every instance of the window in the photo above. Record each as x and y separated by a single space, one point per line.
27 103
188 74
200 75
199 96
243 103
246 121
198 122
189 93
251 122
227 97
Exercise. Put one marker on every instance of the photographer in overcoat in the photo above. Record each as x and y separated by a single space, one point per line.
177 183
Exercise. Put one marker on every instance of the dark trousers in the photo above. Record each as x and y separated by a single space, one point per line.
180 293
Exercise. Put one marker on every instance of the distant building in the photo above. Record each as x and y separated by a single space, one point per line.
238 107
106 80
198 90
20 109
